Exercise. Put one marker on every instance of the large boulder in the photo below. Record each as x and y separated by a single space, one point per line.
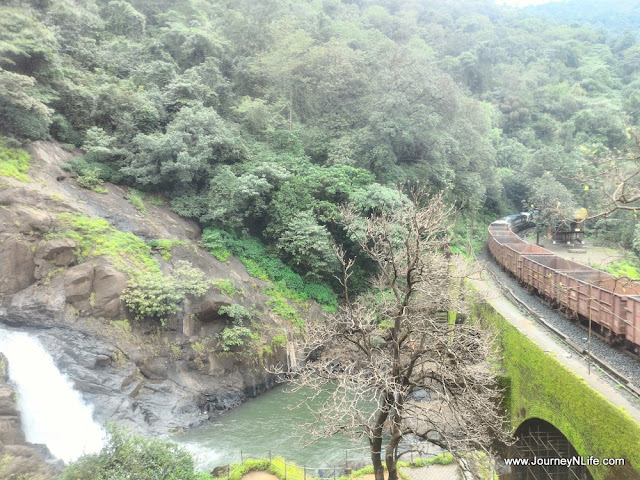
78 282
96 289
59 251
108 284
17 268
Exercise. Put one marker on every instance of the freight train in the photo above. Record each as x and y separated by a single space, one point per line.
610 305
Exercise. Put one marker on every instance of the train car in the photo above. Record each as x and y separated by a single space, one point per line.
610 305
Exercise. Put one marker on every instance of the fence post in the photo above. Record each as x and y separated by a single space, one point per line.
305 472
241 457
334 473
270 457
228 471
285 470
346 462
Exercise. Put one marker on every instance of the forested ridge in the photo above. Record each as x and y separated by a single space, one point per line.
259 119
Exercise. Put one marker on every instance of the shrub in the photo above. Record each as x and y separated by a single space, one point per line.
237 312
91 180
213 241
278 303
279 341
153 296
126 456
225 286
190 280
233 337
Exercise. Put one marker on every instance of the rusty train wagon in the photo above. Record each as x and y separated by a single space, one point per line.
610 304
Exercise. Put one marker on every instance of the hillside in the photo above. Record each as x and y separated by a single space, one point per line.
69 253
614 16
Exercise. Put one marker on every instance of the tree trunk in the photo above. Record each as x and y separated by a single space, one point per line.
376 443
378 469
390 454
390 460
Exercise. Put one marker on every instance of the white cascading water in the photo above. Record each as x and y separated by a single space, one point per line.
52 412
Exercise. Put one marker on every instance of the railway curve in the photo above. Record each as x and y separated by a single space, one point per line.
622 369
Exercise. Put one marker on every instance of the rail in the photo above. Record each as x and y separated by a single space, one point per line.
604 366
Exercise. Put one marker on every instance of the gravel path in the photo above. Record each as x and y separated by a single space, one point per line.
626 365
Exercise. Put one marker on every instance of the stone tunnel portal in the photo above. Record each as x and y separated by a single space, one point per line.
540 440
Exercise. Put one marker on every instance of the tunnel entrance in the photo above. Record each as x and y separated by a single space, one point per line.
541 441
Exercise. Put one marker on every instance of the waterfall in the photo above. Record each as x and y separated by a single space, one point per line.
52 412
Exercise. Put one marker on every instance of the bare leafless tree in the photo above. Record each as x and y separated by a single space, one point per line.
365 362
616 178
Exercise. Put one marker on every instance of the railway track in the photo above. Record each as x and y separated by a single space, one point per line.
605 367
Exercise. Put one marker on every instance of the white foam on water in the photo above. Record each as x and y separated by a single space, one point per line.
52 412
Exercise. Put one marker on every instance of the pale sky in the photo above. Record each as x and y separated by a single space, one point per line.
522 3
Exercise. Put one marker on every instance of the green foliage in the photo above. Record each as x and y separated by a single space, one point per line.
215 241
234 336
190 280
14 162
135 198
237 312
95 237
280 306
164 246
225 286
276 466
152 296
261 265
279 341
319 108
629 268
127 456
90 179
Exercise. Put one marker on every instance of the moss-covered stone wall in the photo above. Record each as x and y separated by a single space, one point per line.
539 386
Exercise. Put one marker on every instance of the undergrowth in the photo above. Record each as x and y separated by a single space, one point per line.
260 264
627 267
95 237
292 472
14 162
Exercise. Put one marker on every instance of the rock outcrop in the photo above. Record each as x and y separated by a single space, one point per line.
153 379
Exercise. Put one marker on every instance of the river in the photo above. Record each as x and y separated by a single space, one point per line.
269 424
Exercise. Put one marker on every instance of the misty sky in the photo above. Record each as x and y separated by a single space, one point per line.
521 3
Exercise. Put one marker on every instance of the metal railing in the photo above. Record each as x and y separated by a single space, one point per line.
293 471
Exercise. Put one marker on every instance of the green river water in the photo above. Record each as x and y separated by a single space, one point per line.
268 424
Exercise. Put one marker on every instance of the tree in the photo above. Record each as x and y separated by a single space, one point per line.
401 338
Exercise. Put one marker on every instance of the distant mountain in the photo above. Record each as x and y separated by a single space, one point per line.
612 15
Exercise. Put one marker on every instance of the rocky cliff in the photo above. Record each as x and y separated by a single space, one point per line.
66 255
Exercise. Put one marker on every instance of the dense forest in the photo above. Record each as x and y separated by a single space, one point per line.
614 17
259 119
